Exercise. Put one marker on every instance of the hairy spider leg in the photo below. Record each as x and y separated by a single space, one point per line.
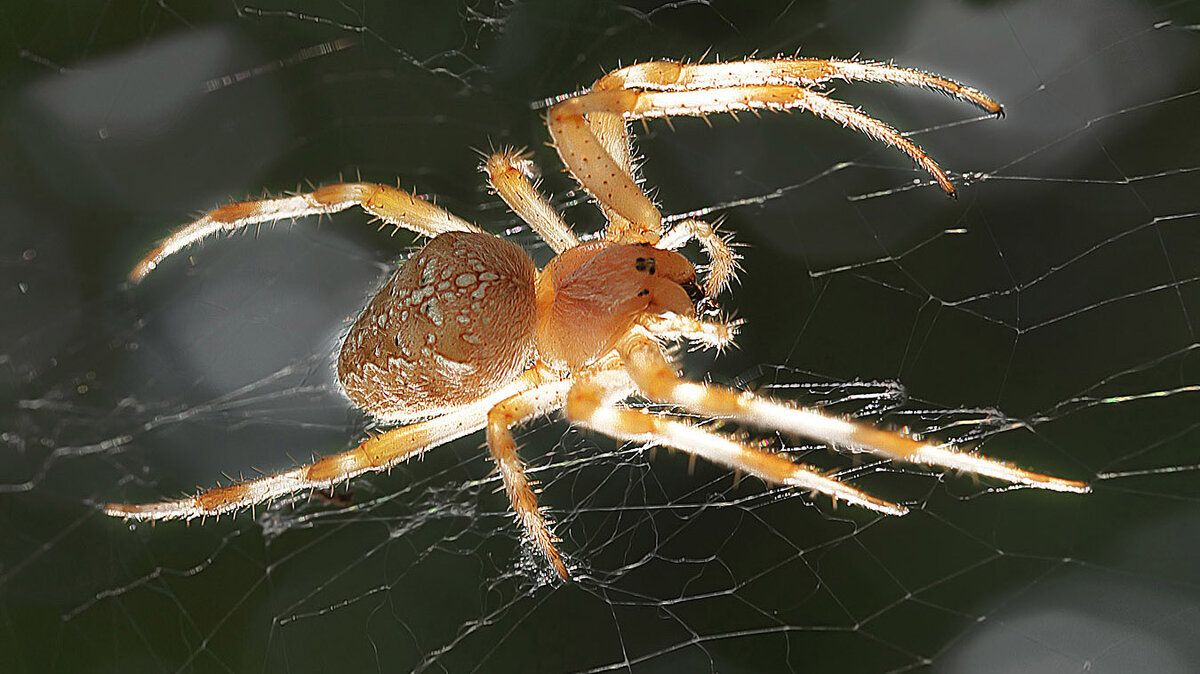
649 367
592 137
579 152
675 328
632 217
593 402
514 410
722 266
390 204
509 172
670 76
803 72
612 131
376 453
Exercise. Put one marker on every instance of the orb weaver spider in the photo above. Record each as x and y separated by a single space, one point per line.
469 334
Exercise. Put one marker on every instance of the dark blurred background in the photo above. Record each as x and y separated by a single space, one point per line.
1047 316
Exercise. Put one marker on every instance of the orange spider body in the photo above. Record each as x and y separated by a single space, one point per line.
468 334
469 312
591 295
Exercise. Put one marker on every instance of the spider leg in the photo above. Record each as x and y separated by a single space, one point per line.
376 453
602 166
508 172
577 151
657 380
612 132
802 72
591 136
592 402
723 262
390 204
675 327
500 420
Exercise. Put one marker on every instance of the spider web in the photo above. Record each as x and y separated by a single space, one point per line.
1047 316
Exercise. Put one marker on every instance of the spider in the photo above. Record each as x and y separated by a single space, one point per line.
469 334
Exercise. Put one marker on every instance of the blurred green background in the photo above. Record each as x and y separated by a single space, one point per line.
1047 316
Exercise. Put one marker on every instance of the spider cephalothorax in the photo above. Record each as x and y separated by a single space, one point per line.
606 287
469 334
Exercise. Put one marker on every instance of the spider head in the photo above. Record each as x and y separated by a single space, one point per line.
590 295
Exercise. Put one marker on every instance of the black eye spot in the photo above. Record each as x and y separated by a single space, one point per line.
643 292
645 264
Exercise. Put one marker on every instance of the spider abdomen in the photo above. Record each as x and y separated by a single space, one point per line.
454 323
